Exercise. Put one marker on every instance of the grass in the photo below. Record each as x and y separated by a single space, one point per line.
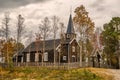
41 73
101 72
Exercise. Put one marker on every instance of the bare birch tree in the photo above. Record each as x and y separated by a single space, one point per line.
55 21
61 38
38 40
6 32
44 31
20 31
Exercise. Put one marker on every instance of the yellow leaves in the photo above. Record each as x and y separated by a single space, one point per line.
81 18
8 47
81 15
85 26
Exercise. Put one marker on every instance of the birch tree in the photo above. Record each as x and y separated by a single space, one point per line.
62 38
38 40
55 21
85 27
20 31
44 31
6 32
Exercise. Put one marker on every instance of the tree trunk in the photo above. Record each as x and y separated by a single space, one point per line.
43 51
54 53
7 54
119 61
81 56
42 58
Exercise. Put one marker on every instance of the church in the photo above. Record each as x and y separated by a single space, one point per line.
67 50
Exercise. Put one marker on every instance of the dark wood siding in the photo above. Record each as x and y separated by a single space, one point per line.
64 53
19 58
40 57
76 53
24 57
50 56
32 57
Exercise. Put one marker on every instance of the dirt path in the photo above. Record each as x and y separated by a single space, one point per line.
115 73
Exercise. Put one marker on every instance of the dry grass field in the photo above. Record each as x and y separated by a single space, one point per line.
38 73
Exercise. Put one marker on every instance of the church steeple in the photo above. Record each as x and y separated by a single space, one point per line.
70 33
70 28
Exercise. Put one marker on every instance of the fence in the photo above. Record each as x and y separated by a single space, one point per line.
50 65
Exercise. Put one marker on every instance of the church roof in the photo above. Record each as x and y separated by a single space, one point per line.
49 45
70 28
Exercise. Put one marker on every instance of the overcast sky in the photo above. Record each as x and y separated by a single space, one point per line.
100 11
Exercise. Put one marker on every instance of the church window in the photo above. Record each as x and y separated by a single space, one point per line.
73 48
22 59
73 58
46 56
28 57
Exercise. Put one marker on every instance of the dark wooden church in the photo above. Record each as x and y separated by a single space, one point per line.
67 49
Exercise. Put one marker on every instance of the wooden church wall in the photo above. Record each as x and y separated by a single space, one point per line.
24 57
19 59
32 57
64 53
74 53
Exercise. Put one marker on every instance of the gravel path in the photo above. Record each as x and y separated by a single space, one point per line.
115 73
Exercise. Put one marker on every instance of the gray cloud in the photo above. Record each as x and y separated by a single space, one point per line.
100 9
97 3
17 3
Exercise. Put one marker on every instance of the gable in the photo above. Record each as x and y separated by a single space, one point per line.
74 41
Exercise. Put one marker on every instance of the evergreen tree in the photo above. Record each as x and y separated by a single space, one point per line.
110 39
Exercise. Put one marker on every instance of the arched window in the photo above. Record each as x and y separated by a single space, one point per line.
73 58
22 59
73 48
28 57
46 56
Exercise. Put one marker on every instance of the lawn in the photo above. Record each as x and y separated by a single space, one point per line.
40 73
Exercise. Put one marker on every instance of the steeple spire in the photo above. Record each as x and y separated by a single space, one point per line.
70 28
